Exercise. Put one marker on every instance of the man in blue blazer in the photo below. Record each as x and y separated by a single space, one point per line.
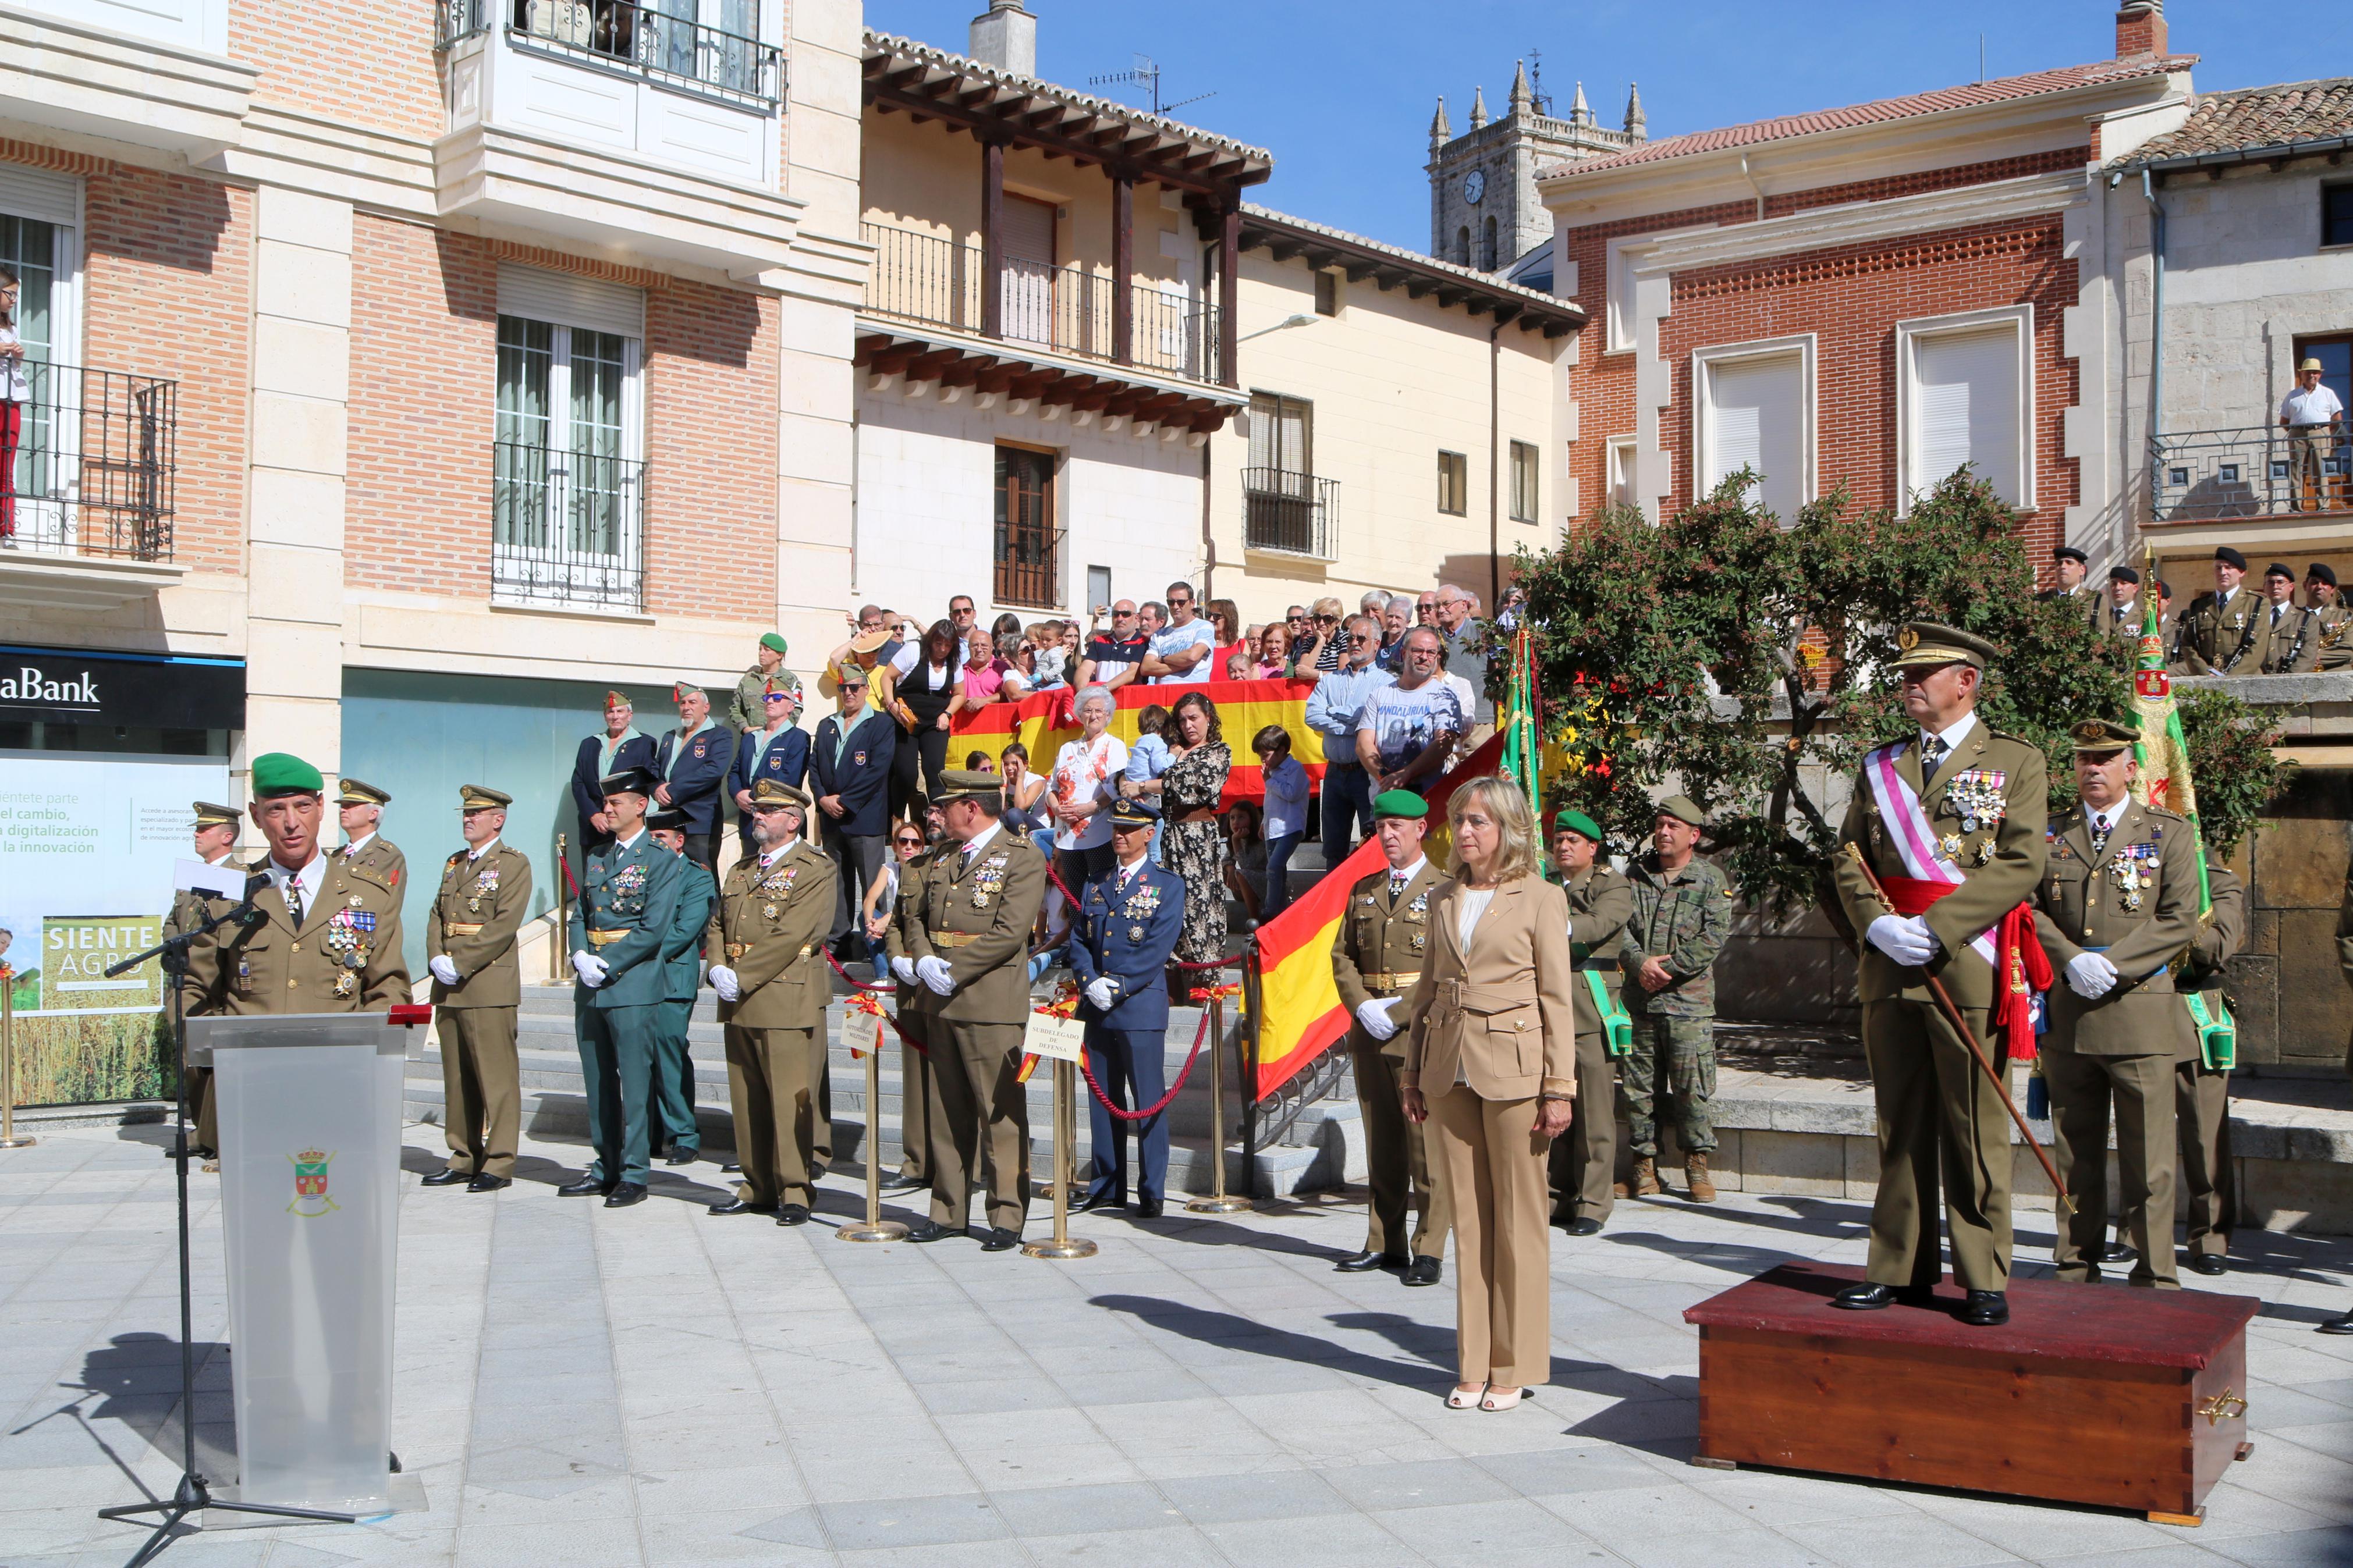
1129 919
777 749
691 763
851 760
618 748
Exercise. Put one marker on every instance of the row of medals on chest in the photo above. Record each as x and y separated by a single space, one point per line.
347 938
2132 869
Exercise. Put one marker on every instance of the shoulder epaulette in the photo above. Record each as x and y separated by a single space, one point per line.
2161 811
388 881
455 858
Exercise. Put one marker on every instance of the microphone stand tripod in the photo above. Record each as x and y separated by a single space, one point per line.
194 1490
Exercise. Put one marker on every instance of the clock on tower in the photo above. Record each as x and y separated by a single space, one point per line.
1474 185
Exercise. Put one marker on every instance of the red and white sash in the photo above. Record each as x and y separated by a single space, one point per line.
1914 839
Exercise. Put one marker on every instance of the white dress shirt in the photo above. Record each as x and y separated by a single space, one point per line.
1950 739
356 844
310 880
485 848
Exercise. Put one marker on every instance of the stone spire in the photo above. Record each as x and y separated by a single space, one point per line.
1579 111
1441 133
1636 126
1478 107
1522 100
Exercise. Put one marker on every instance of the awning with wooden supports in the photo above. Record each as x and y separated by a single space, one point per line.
1287 238
1003 369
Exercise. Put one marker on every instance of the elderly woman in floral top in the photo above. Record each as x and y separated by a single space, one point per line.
1084 783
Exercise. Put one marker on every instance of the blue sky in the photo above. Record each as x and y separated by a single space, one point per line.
1341 90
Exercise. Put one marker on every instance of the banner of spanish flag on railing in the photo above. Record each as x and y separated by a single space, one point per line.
1044 722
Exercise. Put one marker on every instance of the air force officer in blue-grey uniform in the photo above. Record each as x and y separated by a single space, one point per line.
1129 919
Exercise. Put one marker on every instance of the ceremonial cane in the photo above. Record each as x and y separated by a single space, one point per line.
1960 1025
8 1139
1216 1202
1061 1246
876 1228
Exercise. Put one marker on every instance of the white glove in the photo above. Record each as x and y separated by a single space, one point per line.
1904 938
904 968
724 981
1100 993
443 970
934 973
591 969
1375 1017
2090 976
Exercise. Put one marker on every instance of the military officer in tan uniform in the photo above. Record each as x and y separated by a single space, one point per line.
969 946
2278 621
359 809
326 938
2219 630
213 839
1600 903
1383 941
770 974
2117 902
1965 810
2321 641
485 894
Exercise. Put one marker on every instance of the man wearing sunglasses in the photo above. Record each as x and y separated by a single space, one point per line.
1334 709
1114 658
1180 654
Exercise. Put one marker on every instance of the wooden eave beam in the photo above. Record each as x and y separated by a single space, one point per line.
952 111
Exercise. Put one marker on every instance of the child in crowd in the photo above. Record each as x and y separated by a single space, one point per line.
1148 758
1285 781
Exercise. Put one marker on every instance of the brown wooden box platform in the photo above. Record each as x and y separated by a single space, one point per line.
2091 1393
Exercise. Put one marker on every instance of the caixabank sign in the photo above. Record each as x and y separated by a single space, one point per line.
75 686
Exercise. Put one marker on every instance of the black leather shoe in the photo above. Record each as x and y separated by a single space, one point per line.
486 1183
681 1156
730 1169
1583 1224
1871 1297
1106 1199
2209 1263
996 1240
1147 1208
902 1183
1366 1262
2338 1325
1984 1308
738 1205
444 1178
2118 1252
585 1187
929 1230
1423 1271
625 1195
792 1213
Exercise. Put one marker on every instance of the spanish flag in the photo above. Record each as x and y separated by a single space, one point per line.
1300 1011
1044 722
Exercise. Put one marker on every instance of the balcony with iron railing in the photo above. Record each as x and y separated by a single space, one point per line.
654 43
89 467
567 529
2253 471
1069 310
1289 514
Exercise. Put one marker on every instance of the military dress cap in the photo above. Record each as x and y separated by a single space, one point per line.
669 818
1926 642
356 791
481 797
968 783
2122 574
774 642
283 772
2096 737
211 816
1126 813
2321 571
1575 820
2230 557
2311 365
629 781
1682 808
684 690
1399 803
619 700
775 794
2279 569
2069 552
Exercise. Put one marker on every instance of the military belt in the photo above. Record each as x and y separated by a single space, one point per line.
1597 965
1391 980
457 929
605 938
954 938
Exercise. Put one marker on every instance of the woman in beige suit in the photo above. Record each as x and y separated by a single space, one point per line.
1492 1059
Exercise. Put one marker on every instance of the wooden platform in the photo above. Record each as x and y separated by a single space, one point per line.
2092 1394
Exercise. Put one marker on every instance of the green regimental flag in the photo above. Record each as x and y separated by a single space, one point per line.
1523 738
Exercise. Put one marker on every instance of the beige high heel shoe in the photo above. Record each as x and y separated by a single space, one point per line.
1501 1398
1464 1398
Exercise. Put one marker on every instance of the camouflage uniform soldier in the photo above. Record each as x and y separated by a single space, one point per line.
1683 913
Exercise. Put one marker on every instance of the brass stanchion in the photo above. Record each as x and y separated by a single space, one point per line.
1061 1246
558 962
875 1227
1216 1202
8 1139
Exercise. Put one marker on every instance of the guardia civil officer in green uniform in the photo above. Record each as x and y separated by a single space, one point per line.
2117 902
484 896
627 895
1384 938
1584 1159
1950 817
359 808
768 967
1682 918
213 840
969 946
326 933
673 1131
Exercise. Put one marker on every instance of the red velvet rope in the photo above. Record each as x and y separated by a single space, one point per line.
1157 1106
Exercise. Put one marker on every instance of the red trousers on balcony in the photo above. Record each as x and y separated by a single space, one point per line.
11 425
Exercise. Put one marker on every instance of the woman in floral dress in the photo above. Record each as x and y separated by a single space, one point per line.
1192 842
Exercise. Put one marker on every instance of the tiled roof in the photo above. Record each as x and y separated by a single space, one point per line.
2251 116
1969 95
1491 284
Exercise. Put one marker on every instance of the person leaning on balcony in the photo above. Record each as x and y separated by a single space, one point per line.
2279 620
2311 415
2222 628
2326 645
745 710
16 392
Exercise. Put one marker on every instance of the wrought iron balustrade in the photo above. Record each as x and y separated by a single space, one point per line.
2204 476
566 527
1289 511
92 461
650 41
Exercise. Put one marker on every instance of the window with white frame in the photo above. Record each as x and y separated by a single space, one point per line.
1618 303
1965 395
1622 471
1753 407
1526 483
568 461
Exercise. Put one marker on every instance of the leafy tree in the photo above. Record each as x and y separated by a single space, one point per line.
2231 763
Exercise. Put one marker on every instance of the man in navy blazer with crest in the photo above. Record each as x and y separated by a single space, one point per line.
1128 922
778 750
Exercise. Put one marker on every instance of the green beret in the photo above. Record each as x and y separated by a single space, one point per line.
283 772
774 642
1682 808
1577 822
1399 803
